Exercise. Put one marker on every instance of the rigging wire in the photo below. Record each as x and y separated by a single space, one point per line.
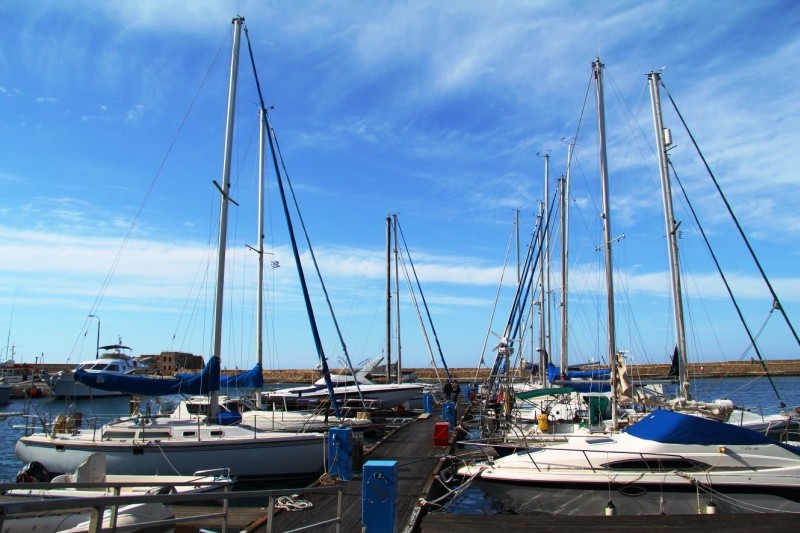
422 296
128 235
725 282
276 156
777 304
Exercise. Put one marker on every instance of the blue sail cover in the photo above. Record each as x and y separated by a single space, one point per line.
190 384
671 427
596 380
252 379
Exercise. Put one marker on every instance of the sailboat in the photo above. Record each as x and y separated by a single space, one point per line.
151 445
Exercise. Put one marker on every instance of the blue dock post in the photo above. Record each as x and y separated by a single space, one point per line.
427 402
340 453
449 414
379 497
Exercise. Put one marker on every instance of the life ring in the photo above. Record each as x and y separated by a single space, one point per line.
34 392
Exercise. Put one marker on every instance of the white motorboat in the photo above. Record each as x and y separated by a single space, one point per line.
243 411
115 359
668 462
346 387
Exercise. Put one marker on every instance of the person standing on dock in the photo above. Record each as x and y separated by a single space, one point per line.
448 390
456 391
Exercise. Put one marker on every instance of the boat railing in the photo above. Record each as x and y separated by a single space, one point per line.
99 504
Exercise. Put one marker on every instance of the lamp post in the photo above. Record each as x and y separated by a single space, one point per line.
97 351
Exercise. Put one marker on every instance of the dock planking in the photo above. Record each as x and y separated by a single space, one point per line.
411 445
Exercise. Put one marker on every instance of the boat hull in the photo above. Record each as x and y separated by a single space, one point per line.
260 455
66 387
591 499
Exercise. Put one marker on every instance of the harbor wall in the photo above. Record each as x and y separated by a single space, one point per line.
747 368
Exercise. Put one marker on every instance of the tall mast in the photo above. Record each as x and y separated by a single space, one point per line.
262 121
662 142
542 303
606 216
546 264
389 299
564 198
223 214
399 376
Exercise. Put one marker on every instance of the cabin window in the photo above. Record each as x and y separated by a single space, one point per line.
217 433
153 435
119 435
113 368
655 464
197 408
189 433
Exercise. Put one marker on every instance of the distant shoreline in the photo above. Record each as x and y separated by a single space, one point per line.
788 367
660 371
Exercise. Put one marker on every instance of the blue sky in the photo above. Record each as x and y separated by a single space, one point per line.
111 124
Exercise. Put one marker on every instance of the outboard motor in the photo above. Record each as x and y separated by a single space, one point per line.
34 472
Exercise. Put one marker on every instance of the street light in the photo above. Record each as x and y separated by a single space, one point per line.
97 352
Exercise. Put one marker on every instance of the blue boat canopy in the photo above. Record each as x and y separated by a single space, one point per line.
678 428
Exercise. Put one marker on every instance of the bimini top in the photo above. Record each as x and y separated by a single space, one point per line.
671 427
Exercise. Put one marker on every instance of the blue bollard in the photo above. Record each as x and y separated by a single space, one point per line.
340 453
379 496
449 414
427 403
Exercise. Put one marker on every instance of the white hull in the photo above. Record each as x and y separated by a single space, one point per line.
680 458
388 396
179 448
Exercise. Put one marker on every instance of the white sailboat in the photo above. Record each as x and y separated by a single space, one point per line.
151 445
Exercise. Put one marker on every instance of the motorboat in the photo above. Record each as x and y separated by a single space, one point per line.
666 463
346 387
243 411
115 359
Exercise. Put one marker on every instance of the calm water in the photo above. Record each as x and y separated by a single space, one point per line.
756 395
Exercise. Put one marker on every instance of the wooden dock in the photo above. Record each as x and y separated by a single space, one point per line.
411 445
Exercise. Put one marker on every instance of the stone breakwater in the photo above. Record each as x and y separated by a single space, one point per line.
713 369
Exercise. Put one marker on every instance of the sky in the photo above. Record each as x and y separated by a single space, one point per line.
112 118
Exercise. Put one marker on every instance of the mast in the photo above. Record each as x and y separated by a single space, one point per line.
606 216
564 199
663 140
223 215
262 120
540 243
399 376
388 299
546 266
